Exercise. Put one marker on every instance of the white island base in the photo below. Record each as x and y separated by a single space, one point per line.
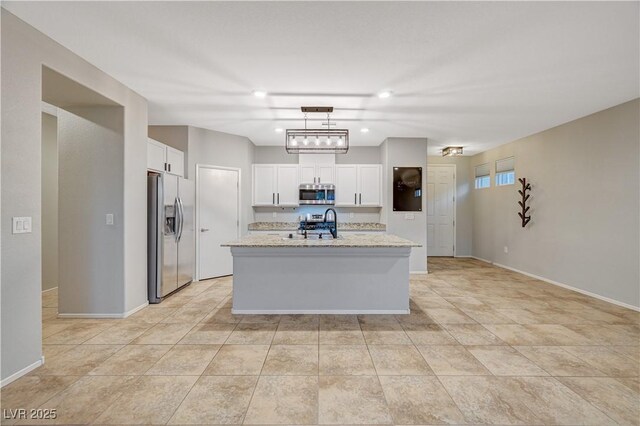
320 280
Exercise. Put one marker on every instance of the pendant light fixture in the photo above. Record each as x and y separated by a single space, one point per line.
339 136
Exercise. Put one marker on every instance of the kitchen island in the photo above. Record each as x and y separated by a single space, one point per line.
353 274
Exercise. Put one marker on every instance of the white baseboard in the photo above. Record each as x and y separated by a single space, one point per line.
136 309
15 376
568 287
418 272
105 316
49 289
481 259
321 311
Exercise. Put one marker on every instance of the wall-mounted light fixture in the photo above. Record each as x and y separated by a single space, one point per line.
451 151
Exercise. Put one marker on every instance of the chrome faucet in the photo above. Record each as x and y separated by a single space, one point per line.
334 229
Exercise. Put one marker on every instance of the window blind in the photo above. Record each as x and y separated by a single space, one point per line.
482 170
505 165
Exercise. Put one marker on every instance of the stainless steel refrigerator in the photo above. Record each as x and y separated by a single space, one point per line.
171 239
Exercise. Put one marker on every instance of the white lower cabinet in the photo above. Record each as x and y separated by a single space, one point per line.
358 185
275 185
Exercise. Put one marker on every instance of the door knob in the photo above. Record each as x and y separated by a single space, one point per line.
204 229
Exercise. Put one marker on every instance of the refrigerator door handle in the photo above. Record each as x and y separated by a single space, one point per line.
181 223
181 218
176 221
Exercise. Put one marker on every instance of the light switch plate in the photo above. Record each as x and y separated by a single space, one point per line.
409 216
21 225
109 219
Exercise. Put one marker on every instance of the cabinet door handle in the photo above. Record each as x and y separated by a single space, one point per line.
278 198
273 198
355 198
165 167
318 179
361 198
169 166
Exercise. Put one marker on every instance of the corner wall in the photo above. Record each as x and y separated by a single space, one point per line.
585 205
24 52
91 178
49 201
226 150
406 152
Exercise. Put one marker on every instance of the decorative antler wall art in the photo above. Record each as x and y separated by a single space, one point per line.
523 204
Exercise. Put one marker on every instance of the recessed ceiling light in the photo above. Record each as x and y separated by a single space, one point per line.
278 130
364 130
385 94
259 93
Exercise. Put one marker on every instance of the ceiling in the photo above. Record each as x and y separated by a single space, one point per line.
462 73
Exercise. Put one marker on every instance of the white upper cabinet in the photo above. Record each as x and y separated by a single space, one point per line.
275 185
358 185
264 185
370 185
287 185
346 185
156 155
317 168
325 173
163 158
308 173
175 161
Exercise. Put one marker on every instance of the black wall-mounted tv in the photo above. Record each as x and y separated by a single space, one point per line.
407 189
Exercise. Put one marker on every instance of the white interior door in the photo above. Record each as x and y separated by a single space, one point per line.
218 218
440 210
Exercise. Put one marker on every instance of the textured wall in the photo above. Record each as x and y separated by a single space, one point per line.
49 201
91 150
226 150
406 152
585 205
24 52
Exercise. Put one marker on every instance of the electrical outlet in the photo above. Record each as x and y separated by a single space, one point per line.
351 215
506 249
409 216
109 219
274 215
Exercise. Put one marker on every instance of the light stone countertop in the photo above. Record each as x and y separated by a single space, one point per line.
344 240
292 226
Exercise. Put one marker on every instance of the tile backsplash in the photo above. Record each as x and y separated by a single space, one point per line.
291 214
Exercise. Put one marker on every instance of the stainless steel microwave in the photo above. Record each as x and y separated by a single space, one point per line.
322 194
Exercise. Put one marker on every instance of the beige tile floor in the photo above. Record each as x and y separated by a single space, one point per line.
482 345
